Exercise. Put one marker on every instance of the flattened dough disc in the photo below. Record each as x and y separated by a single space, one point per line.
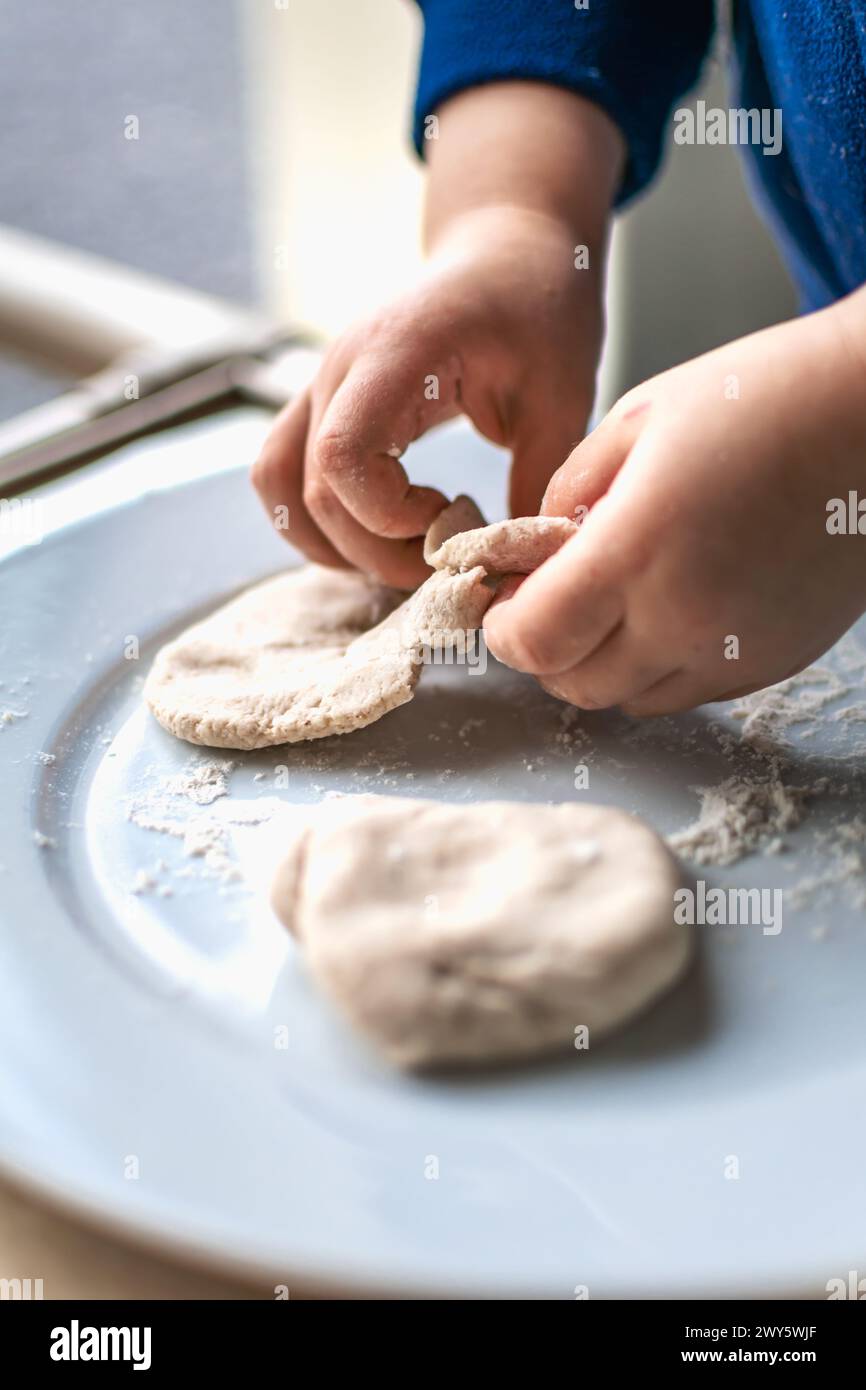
298 657
452 934
320 651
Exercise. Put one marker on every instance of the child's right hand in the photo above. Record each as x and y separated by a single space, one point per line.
502 327
705 568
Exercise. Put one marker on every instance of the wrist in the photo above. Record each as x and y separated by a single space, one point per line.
494 225
522 152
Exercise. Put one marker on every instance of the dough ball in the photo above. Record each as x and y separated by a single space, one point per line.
451 934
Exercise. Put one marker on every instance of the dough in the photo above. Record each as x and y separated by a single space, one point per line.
506 547
297 657
453 934
320 651
460 515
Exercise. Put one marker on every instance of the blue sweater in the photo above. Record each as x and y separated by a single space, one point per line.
636 59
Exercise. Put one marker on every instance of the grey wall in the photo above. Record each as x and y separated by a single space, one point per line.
693 265
174 201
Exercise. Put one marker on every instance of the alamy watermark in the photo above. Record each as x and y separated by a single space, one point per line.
440 647
846 516
729 907
713 125
21 1290
458 648
77 1343
850 1287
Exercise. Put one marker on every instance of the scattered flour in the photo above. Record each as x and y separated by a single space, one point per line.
203 782
206 834
740 816
571 737
850 714
753 809
8 716
769 716
152 880
144 882
844 845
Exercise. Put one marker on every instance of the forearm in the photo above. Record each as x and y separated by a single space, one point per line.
524 150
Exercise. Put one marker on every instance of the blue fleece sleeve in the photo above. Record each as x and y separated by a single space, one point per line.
634 58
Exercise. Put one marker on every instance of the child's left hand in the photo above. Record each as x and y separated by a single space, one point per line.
704 568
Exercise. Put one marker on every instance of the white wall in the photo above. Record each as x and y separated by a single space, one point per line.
337 186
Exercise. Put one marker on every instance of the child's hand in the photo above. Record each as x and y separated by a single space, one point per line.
505 327
704 568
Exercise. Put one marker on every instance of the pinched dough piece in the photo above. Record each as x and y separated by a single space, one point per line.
505 547
297 657
451 934
460 515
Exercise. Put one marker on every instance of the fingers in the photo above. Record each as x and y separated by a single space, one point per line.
684 689
590 469
373 416
562 612
539 442
617 671
329 464
355 488
305 511
278 477
398 563
681 690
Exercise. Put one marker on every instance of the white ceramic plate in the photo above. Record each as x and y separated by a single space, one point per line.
166 1066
